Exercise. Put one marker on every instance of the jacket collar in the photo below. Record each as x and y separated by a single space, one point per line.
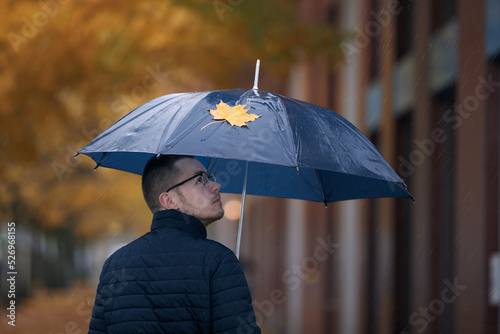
178 220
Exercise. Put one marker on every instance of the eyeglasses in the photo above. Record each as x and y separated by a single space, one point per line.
204 178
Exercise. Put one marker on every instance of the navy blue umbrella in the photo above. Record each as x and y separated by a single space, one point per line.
293 150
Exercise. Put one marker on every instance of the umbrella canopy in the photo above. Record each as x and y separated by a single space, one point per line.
291 148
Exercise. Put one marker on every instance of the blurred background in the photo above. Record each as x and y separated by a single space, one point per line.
420 78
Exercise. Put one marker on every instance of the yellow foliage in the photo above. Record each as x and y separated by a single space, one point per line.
69 70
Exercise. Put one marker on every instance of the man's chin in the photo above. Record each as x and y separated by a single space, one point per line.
216 217
219 216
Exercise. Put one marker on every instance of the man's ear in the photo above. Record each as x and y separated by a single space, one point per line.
168 201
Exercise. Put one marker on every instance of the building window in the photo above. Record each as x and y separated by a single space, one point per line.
404 29
372 257
403 228
374 46
442 155
492 127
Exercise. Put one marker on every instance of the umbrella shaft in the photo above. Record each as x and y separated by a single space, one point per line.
240 225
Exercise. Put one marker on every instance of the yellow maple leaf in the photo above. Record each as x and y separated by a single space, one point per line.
236 115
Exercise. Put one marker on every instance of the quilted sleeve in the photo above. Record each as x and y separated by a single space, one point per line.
97 323
232 310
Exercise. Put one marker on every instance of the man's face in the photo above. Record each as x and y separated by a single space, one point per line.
193 197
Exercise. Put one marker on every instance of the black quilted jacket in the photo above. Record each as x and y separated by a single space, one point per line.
173 280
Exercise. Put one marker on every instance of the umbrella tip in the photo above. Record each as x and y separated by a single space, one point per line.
76 154
411 197
256 79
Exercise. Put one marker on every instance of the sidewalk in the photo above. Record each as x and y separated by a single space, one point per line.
52 312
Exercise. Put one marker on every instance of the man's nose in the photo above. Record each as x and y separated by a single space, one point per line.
215 186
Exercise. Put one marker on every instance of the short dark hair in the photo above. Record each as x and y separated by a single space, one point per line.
159 174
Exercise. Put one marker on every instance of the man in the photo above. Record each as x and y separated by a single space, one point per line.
172 279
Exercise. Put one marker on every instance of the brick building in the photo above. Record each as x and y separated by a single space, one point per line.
422 80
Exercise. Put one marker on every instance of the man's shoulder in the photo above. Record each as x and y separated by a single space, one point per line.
148 245
128 249
218 248
224 258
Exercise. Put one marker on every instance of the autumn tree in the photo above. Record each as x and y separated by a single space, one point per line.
70 68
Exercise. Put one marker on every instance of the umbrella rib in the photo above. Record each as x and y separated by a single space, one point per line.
105 156
201 95
289 133
208 165
321 187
